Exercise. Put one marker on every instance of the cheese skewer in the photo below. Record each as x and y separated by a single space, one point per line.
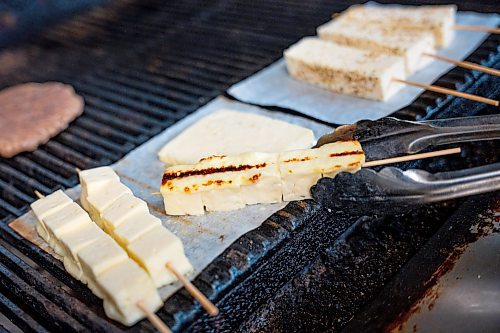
115 305
447 91
465 64
127 219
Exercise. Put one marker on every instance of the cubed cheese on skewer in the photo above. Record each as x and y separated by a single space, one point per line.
66 220
124 286
261 184
378 37
182 194
345 69
342 156
123 207
93 180
133 227
154 250
74 242
46 206
96 259
438 20
103 198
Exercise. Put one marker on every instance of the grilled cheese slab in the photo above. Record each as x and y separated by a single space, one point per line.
344 69
379 38
256 177
438 20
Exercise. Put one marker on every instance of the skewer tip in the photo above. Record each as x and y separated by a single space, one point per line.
154 319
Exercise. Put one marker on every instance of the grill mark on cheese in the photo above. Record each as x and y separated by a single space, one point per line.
209 158
296 159
354 164
347 153
208 171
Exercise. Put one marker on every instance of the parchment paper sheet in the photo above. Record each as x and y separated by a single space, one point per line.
272 86
204 237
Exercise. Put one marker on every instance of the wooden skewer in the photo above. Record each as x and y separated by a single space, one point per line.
154 319
465 64
412 157
476 28
449 92
195 292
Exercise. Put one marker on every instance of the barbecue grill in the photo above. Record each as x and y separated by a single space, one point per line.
143 65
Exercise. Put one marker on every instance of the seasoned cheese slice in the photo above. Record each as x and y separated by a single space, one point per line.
229 132
154 249
74 242
94 180
123 286
133 227
102 199
96 259
123 207
68 219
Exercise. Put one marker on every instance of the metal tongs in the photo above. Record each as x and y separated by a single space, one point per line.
391 137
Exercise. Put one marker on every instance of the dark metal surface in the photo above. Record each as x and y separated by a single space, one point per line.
143 65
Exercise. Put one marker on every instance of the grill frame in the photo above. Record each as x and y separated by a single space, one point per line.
31 268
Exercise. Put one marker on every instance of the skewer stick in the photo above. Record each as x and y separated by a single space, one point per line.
476 28
412 157
195 292
154 319
465 64
449 92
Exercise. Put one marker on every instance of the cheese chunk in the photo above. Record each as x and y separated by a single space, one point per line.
261 184
133 227
341 157
126 205
93 180
228 132
68 219
47 206
74 242
103 198
379 38
96 259
438 20
123 286
344 69
154 249
181 195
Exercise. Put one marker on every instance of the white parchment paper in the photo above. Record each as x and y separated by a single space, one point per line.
272 86
204 237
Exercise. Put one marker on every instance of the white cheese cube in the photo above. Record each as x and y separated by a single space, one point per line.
103 198
74 242
125 285
93 180
261 184
438 20
181 190
123 207
177 203
96 259
47 206
154 249
379 38
134 226
341 156
344 69
248 132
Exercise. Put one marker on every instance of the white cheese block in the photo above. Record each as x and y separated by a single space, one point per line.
341 157
123 207
438 20
46 206
96 259
68 219
154 249
344 69
103 198
378 37
261 184
93 180
123 286
228 132
74 242
133 227
181 195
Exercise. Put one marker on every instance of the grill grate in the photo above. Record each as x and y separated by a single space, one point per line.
141 66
